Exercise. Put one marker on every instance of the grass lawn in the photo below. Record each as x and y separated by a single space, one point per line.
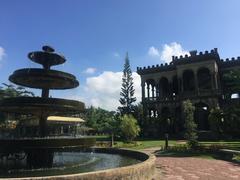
149 143
203 155
138 144
102 137
226 144
143 144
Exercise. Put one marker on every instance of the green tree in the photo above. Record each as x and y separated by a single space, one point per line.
127 91
8 91
129 127
138 114
101 120
231 121
216 121
190 126
231 82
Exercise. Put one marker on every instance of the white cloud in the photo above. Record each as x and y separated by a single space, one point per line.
2 53
168 50
172 49
104 90
90 70
154 52
116 54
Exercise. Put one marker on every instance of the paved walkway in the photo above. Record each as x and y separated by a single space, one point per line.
188 168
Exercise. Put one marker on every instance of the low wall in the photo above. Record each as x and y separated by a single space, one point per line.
141 171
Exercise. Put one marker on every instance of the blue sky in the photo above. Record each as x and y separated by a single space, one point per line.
96 34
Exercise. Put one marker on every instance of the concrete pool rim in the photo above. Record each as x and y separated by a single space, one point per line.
140 171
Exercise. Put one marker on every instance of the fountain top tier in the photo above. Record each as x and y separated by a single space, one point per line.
47 57
44 78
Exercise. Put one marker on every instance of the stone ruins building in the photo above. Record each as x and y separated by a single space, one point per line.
197 77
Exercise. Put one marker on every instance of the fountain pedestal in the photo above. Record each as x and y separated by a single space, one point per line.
39 158
39 151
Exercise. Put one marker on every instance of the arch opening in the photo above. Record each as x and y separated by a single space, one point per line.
188 80
204 79
164 87
201 116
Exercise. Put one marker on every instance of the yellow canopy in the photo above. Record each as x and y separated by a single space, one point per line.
64 119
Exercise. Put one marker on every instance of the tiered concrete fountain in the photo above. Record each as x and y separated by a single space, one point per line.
39 151
57 157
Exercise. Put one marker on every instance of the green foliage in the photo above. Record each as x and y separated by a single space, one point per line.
8 91
101 120
13 91
190 126
129 127
231 121
127 91
138 113
215 119
141 119
225 123
231 81
178 148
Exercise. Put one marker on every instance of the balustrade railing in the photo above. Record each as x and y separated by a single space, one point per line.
184 95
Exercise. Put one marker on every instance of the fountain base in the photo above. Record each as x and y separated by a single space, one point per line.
91 164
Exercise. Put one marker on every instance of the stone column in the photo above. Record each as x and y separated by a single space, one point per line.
148 91
152 92
143 91
157 90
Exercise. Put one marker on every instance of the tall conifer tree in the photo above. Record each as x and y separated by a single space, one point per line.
127 91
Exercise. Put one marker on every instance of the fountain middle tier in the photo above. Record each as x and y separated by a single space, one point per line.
43 79
26 144
40 151
39 106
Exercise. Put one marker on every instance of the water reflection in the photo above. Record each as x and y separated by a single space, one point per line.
65 163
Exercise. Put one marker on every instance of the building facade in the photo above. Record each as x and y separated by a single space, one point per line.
197 77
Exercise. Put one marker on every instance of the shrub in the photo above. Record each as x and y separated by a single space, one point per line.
190 126
129 127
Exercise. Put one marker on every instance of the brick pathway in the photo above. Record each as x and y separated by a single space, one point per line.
174 168
188 168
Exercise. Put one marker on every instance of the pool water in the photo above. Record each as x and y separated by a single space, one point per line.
65 163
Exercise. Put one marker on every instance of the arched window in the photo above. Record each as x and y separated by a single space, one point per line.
201 115
164 87
188 80
153 113
204 78
166 119
151 88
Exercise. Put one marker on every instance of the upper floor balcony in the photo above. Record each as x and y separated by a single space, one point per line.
183 95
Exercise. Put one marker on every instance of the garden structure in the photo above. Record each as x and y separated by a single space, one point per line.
197 77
